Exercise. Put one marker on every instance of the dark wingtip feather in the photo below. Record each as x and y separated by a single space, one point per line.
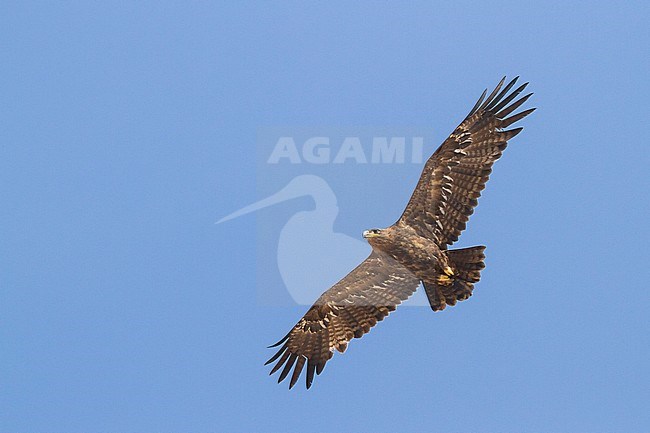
498 105
493 94
502 93
277 354
512 119
475 107
297 370
512 133
287 367
277 366
502 112
311 368
279 342
320 367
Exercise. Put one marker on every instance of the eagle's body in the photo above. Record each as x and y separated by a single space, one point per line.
420 255
447 276
414 249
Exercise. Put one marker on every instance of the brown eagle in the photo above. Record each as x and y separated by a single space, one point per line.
414 249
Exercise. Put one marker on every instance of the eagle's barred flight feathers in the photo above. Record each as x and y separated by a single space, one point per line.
346 311
454 176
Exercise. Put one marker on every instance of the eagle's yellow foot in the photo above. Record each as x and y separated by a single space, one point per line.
449 271
444 280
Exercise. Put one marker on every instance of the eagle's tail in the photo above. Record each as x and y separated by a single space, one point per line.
456 284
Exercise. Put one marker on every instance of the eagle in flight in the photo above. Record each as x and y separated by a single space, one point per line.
414 249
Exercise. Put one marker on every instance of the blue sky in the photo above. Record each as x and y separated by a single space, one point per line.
127 130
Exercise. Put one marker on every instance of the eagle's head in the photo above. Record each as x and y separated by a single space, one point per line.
372 233
378 237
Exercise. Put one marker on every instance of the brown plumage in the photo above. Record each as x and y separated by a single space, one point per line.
414 249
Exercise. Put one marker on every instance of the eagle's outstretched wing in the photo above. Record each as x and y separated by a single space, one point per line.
346 311
455 175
